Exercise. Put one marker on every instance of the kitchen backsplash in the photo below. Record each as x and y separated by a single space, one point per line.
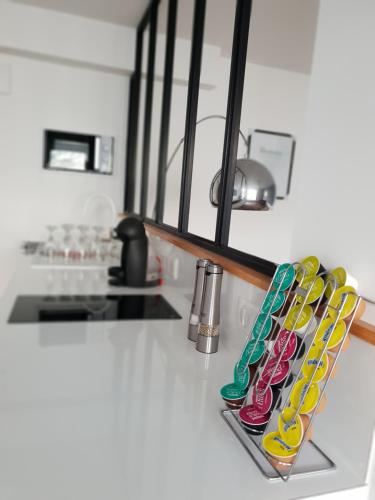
240 300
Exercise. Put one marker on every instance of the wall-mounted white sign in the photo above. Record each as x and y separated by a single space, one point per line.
276 152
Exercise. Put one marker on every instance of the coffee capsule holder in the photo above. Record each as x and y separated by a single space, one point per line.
310 458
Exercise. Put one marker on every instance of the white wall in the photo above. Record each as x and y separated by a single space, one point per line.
54 92
47 33
336 207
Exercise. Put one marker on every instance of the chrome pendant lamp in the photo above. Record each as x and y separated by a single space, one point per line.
254 187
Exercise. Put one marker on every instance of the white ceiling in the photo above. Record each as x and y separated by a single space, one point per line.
282 32
126 12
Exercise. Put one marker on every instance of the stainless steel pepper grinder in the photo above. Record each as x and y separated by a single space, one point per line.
196 305
208 330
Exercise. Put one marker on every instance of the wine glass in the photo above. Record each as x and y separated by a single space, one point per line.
75 251
83 241
99 253
90 251
67 240
49 248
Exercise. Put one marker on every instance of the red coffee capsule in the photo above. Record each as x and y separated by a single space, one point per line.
252 420
262 398
288 338
275 371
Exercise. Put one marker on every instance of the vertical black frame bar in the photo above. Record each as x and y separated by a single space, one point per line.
191 114
132 133
148 106
166 109
232 126
131 142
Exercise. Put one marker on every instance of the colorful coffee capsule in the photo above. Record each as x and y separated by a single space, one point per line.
283 277
304 395
315 365
300 320
344 299
329 333
311 288
341 278
274 445
252 420
273 302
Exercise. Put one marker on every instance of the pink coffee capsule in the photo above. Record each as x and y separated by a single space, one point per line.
249 415
262 399
285 337
281 371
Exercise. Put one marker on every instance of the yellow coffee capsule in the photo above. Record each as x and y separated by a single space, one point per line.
316 289
290 427
330 334
339 274
315 365
345 297
310 265
302 393
298 318
341 278
275 446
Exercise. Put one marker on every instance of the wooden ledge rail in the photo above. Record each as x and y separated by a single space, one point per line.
360 328
363 330
245 273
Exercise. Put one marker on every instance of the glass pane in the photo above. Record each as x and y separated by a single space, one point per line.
213 94
275 96
141 116
157 107
181 66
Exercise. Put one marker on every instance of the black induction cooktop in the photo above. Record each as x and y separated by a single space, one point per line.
61 308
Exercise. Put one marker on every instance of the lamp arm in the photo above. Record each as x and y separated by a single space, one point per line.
181 141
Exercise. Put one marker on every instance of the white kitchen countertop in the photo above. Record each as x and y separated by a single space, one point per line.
129 410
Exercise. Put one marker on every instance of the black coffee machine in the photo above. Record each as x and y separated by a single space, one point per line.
133 269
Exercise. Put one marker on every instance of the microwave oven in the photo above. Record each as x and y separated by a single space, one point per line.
78 152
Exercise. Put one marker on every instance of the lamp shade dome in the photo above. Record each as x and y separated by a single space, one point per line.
254 187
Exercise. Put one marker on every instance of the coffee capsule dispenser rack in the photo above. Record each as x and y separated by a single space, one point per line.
309 458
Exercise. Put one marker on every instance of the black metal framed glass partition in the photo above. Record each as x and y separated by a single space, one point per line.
159 172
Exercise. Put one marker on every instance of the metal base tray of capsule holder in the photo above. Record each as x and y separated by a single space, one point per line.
311 461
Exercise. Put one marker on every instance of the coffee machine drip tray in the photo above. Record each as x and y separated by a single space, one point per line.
63 308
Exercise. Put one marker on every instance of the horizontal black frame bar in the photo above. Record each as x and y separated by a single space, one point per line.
261 265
